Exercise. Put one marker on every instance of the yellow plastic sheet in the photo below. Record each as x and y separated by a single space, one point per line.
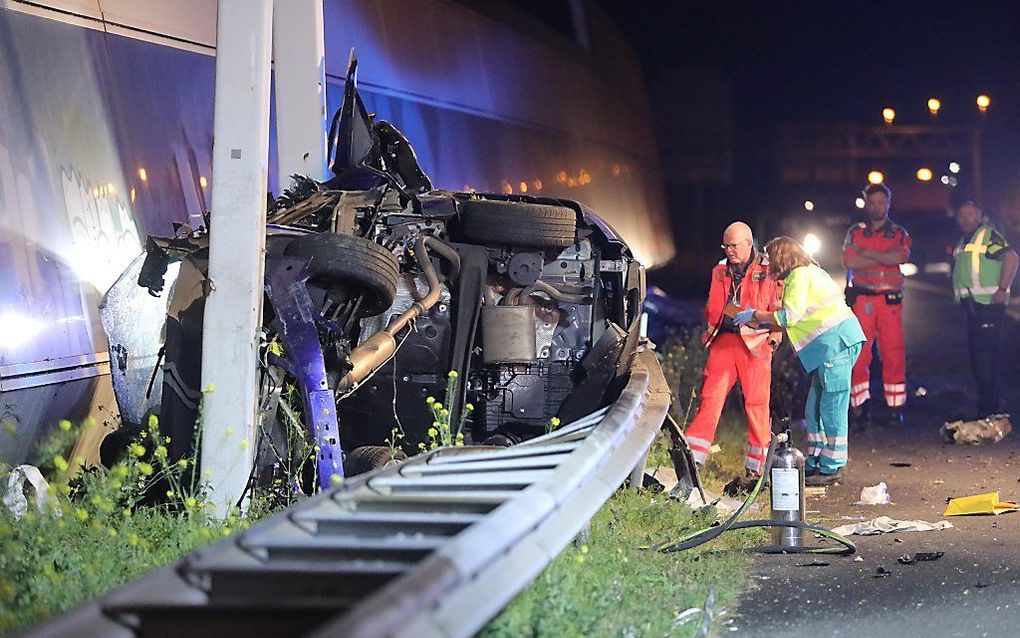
978 504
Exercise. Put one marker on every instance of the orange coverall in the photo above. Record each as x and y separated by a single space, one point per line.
737 354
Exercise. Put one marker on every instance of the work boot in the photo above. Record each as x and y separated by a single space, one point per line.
859 417
821 479
895 418
741 484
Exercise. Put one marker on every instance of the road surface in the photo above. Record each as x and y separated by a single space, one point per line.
973 589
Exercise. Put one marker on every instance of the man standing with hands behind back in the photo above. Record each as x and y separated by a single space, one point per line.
872 254
736 352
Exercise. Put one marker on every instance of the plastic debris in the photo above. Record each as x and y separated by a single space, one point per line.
979 504
859 559
14 496
988 430
882 572
921 391
875 495
686 616
885 525
725 505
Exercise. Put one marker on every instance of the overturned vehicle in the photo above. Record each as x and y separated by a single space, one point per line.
384 297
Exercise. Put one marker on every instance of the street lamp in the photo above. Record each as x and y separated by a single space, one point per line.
954 167
888 114
859 202
924 174
876 177
934 104
809 205
983 102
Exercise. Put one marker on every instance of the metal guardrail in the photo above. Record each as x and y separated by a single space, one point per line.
435 546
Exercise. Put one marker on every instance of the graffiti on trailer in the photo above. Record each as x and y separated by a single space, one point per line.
104 236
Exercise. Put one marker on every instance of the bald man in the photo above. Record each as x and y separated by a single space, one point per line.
738 353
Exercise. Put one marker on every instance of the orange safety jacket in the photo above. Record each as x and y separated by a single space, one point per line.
758 289
876 278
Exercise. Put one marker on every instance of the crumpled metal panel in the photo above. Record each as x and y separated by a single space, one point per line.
133 320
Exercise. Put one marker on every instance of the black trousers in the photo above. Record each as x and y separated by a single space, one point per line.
985 325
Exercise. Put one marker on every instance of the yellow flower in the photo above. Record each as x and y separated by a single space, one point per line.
81 514
65 425
430 400
230 431
452 374
169 493
190 502
153 421
116 484
160 452
133 539
137 449
112 532
444 412
555 421
245 444
145 469
433 432
60 463
335 479
183 464
437 406
469 407
120 471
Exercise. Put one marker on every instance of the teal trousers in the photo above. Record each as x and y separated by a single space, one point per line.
828 410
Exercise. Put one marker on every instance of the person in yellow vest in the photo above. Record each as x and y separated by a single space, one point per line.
827 338
984 266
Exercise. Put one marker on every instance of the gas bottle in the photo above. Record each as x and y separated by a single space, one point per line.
786 481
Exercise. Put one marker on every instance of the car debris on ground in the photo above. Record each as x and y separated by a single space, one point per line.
979 504
887 525
990 429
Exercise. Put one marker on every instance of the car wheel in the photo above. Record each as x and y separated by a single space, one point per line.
371 457
350 261
517 224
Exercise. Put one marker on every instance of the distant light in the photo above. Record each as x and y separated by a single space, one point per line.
809 205
983 102
203 182
507 188
571 182
95 191
561 177
859 202
523 187
583 177
953 182
945 179
908 270
537 184
143 175
812 244
924 174
954 167
876 177
934 104
133 195
617 170
111 189
888 115
17 330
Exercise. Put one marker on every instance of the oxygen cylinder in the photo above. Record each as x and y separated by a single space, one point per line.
786 480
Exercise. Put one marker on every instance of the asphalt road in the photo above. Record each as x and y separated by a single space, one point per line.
973 589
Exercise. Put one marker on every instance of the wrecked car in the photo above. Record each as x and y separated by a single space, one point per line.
382 292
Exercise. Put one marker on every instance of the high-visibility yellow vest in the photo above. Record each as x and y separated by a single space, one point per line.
817 320
976 264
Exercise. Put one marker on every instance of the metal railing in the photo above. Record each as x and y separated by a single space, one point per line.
434 546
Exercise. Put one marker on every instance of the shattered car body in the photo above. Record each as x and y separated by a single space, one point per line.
380 290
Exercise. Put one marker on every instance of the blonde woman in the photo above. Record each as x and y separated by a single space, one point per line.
827 338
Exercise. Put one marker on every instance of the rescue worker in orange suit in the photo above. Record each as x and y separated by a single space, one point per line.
738 353
872 254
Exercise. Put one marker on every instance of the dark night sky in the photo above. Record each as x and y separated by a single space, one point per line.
837 60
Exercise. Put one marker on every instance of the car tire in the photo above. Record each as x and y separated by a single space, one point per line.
351 261
517 224
368 458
